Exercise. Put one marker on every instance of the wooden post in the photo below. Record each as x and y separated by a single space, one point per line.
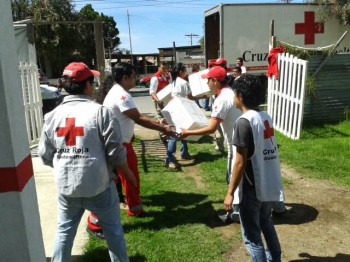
100 50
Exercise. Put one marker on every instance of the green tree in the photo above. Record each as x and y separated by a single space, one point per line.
21 9
334 8
57 43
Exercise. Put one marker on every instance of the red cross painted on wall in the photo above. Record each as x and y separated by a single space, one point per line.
309 28
70 132
268 132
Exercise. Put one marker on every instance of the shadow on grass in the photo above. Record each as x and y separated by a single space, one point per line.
322 131
152 153
100 254
305 257
178 209
299 214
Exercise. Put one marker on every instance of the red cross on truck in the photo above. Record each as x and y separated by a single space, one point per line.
242 30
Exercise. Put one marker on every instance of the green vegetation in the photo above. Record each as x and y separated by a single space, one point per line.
183 206
183 223
322 152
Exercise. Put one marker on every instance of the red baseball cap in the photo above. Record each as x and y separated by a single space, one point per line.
221 62
216 72
211 63
77 71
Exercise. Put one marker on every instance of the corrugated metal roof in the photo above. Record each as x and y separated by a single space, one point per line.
332 89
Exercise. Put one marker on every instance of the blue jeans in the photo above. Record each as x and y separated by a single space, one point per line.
171 150
256 219
106 208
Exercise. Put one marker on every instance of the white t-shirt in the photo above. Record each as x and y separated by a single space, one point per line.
118 100
224 109
180 88
244 69
153 85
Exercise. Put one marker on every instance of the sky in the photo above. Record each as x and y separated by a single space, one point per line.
157 23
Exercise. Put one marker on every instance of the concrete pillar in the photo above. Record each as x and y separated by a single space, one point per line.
21 237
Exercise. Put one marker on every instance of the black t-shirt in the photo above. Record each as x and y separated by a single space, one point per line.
243 137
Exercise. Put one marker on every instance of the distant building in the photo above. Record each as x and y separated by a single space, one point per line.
148 63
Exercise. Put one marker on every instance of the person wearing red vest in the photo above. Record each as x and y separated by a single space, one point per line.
160 80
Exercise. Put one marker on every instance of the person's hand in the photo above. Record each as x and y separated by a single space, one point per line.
169 131
228 202
163 121
183 133
128 174
160 104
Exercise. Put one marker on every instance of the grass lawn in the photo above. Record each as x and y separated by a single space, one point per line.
183 223
322 152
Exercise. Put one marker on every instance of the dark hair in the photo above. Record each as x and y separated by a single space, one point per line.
249 88
195 68
180 67
104 89
238 69
75 88
240 59
122 69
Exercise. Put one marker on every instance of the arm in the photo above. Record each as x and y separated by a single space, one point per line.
46 149
209 129
147 122
153 91
237 174
115 152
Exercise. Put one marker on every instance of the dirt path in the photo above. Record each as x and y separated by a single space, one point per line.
317 228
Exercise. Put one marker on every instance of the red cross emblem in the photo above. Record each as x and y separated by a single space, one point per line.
309 28
268 132
123 98
70 132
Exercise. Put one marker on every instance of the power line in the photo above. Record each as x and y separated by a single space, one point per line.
191 36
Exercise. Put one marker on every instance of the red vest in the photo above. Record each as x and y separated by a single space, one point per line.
161 81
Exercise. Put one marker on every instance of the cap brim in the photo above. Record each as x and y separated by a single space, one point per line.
95 73
205 76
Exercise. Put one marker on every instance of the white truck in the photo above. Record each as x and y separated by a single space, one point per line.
242 30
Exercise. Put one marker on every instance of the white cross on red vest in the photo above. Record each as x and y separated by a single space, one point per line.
70 132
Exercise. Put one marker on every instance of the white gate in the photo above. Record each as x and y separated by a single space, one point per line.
285 102
32 101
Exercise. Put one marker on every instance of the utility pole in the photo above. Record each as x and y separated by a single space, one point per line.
132 62
191 36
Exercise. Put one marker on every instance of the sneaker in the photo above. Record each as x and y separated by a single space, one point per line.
141 214
219 149
282 214
123 206
227 218
188 157
172 165
97 235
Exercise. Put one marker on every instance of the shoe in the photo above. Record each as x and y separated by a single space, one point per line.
219 149
282 214
172 165
142 214
96 235
123 206
188 157
228 218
